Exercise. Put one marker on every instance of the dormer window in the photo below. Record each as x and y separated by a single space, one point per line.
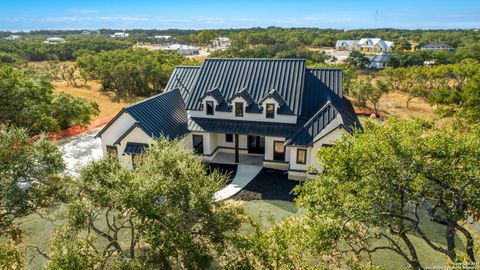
270 112
239 109
209 105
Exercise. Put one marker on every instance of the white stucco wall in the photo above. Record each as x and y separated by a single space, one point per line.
269 141
293 158
137 135
116 130
291 119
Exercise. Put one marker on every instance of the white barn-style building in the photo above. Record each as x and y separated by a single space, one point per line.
275 111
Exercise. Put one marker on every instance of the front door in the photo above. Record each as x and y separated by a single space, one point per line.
198 144
256 145
278 151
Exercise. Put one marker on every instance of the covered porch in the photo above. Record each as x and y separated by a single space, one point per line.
229 158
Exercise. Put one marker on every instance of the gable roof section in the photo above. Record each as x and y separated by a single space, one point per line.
163 114
335 113
275 96
215 93
320 86
243 94
183 78
258 76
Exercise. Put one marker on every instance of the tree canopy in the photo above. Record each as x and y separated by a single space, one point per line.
27 100
163 209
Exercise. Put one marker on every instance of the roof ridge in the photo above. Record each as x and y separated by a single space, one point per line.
150 98
257 58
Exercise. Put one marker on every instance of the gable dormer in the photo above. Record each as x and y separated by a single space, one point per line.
212 101
272 103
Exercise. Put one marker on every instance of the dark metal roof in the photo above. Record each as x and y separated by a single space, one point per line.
135 148
253 128
320 85
258 76
336 112
437 46
183 78
215 93
163 114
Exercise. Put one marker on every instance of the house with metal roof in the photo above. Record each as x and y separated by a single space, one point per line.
274 110
437 47
378 61
368 45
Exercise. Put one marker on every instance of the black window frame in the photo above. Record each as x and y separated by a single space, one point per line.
210 107
305 156
112 147
229 137
272 115
196 146
237 106
277 156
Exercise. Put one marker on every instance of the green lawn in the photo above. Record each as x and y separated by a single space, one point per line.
39 229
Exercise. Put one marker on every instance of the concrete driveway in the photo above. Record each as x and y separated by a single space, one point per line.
245 174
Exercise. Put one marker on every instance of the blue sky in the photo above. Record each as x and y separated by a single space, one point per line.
200 14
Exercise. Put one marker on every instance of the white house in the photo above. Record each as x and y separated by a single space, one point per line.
13 37
120 35
221 43
277 111
54 40
183 49
370 45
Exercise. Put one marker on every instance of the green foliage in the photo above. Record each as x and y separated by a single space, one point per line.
273 51
163 211
364 91
357 60
27 100
375 184
10 256
132 72
36 50
28 177
453 88
205 36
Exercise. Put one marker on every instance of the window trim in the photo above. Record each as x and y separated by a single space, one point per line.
305 156
207 106
229 137
273 111
237 105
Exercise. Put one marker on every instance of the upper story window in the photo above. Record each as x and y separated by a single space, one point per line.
270 113
209 107
239 109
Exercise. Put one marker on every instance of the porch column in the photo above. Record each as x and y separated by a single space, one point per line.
237 158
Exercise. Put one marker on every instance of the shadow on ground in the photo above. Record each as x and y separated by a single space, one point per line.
268 185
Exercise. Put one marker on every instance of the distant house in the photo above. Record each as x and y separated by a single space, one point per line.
221 43
54 40
120 35
276 113
378 61
370 45
437 47
183 49
13 37
163 37
91 33
346 45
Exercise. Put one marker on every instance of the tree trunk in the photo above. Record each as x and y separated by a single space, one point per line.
413 261
450 236
470 242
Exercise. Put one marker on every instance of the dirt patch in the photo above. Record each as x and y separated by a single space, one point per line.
108 103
